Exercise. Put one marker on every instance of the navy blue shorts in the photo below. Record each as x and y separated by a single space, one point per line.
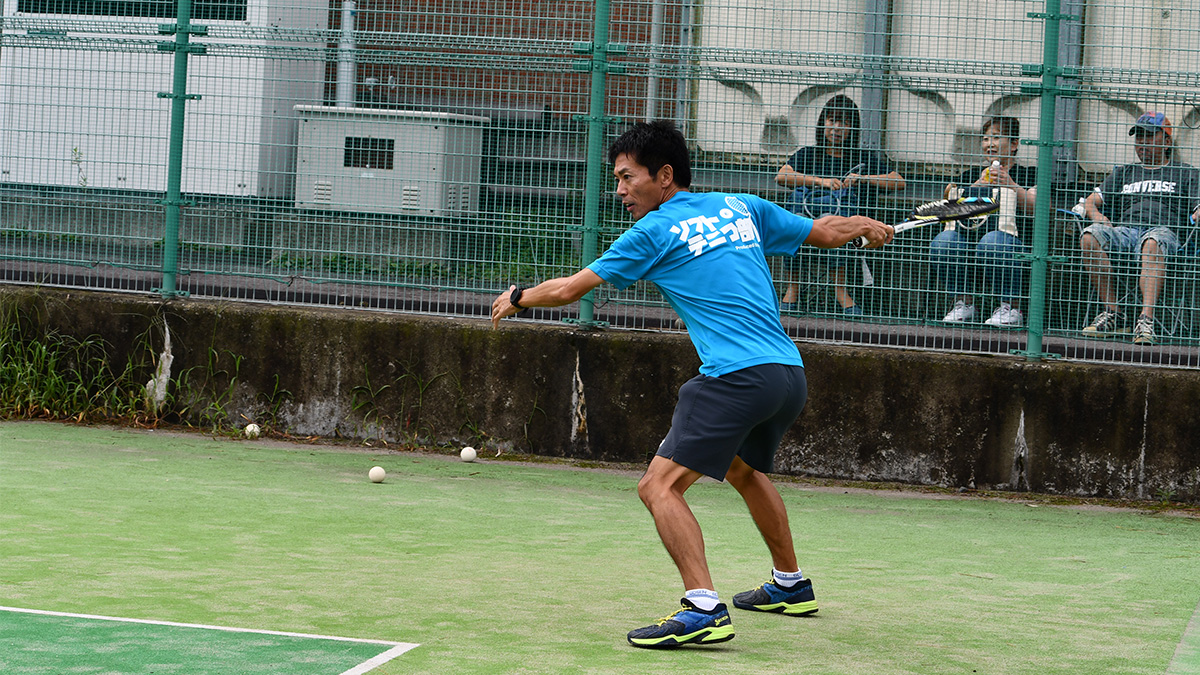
744 413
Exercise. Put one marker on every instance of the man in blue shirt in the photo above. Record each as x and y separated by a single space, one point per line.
707 255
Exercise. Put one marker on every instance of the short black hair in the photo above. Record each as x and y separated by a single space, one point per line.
1007 127
843 109
655 145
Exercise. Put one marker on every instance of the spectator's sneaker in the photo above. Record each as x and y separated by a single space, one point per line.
1106 322
960 312
1143 331
1005 315
795 600
788 307
688 625
852 310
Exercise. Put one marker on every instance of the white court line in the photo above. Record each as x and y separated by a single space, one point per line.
397 648
1188 647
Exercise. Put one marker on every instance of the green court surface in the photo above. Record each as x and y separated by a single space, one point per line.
39 642
505 567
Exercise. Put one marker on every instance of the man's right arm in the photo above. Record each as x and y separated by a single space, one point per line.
1091 205
1091 208
550 293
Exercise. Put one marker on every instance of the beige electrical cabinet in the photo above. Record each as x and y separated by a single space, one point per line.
388 161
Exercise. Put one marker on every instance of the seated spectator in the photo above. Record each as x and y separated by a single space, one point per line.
996 250
1141 208
835 176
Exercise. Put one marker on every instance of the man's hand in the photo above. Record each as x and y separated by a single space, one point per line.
878 233
502 307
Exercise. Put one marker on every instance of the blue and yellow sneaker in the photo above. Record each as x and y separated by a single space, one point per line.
688 625
795 600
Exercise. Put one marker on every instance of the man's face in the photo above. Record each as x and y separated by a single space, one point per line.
640 192
1152 147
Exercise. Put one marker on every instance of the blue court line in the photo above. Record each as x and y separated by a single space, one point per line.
396 648
1187 653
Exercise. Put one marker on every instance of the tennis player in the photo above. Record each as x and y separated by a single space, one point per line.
707 255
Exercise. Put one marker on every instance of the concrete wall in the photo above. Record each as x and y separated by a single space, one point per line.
884 415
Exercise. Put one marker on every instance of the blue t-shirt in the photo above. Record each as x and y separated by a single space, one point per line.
707 255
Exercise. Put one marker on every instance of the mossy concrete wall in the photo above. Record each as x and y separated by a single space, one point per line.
873 414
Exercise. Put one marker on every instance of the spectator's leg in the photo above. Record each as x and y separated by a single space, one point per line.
1150 282
838 276
948 263
792 268
1099 270
1002 270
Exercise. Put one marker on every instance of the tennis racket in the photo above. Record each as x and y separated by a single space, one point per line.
941 211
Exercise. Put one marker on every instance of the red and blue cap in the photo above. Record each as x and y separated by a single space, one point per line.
1151 122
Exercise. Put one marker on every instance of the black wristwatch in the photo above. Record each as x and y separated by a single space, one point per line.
514 298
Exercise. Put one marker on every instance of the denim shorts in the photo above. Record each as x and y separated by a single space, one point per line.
744 413
1123 239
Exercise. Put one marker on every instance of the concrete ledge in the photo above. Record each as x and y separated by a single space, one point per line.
873 414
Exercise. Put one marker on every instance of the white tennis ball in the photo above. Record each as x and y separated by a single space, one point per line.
252 430
468 454
376 474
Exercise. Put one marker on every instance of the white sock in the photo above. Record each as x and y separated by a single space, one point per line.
787 579
703 598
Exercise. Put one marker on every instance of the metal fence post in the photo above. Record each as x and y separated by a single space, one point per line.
597 121
1040 258
183 30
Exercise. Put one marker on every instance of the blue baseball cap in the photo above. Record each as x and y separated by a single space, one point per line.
1151 122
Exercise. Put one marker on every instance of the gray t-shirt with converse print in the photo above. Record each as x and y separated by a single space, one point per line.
1138 196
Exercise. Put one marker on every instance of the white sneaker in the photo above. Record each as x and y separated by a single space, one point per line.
1005 315
960 312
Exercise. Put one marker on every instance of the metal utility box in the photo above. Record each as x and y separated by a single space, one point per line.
388 161
80 89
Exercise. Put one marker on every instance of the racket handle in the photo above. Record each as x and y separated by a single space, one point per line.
907 225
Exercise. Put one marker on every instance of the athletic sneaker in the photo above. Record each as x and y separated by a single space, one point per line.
795 600
688 625
852 310
960 312
1143 331
1005 315
1106 322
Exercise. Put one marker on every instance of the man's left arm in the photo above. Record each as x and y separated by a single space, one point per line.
837 231
549 293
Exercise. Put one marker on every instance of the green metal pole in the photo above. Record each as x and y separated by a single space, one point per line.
595 174
1045 164
183 30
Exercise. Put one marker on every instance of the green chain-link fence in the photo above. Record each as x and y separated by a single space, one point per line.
421 155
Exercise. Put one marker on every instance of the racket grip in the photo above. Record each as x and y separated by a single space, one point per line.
860 242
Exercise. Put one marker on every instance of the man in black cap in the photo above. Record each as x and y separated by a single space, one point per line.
1144 208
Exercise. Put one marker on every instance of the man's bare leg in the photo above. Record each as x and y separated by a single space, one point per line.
661 490
1154 269
788 592
1099 270
767 510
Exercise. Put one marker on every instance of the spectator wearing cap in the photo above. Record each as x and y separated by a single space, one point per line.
1143 208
